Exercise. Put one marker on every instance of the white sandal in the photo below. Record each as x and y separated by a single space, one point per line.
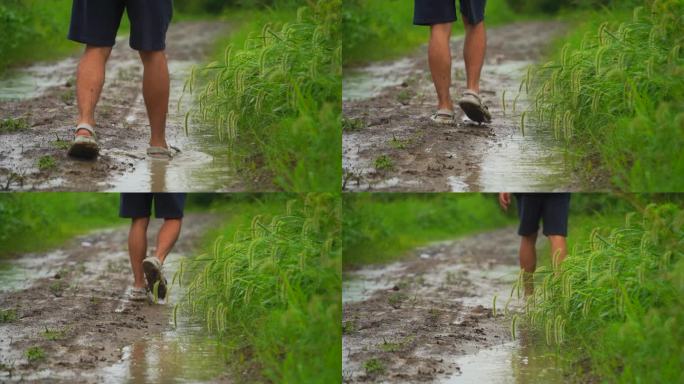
443 116
84 147
162 153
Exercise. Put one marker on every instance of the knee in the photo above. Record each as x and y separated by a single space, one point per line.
529 239
140 222
101 52
557 241
152 56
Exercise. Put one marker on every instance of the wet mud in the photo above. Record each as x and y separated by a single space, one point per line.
43 96
70 303
390 144
430 318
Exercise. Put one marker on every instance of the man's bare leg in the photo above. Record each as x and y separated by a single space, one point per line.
137 248
439 58
474 50
528 261
559 249
90 79
168 234
156 93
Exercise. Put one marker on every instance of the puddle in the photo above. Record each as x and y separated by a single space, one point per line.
33 81
21 273
184 354
202 164
521 361
364 83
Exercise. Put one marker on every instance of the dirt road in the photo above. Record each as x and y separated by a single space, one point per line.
44 97
427 318
69 303
390 144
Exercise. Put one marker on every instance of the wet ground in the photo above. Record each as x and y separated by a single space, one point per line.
430 318
70 303
390 144
43 96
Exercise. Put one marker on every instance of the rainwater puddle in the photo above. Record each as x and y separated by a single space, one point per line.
33 81
366 82
21 273
520 361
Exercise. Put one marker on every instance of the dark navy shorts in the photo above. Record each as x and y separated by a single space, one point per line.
430 12
166 205
95 22
552 208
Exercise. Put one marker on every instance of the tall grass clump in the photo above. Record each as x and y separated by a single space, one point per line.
618 299
615 93
275 101
271 292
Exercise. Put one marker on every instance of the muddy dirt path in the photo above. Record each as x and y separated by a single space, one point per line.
429 318
44 96
390 144
70 303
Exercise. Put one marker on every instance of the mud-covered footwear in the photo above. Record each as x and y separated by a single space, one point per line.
136 294
154 274
443 116
472 105
84 147
161 153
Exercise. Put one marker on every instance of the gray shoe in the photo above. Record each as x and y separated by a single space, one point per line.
84 147
136 294
443 116
154 274
472 105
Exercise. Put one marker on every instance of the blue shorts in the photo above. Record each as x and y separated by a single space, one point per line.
166 205
551 208
430 12
95 22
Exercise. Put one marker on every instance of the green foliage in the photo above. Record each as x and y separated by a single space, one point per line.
34 354
11 125
382 29
619 298
7 315
373 366
380 227
51 217
615 94
271 289
46 163
53 334
276 100
383 163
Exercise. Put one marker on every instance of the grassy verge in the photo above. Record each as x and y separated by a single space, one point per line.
273 97
269 287
617 299
383 29
382 227
614 91
37 221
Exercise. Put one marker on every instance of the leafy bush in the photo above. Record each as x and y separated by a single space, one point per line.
615 94
618 298
276 101
272 291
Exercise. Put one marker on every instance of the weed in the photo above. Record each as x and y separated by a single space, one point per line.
396 298
61 144
353 124
384 163
348 327
35 354
11 125
57 288
68 96
387 346
373 367
47 163
7 315
398 144
404 96
53 334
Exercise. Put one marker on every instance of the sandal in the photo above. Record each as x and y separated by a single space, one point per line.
162 153
443 116
84 147
472 105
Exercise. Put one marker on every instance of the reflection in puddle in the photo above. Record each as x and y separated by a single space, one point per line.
527 360
21 273
364 83
33 81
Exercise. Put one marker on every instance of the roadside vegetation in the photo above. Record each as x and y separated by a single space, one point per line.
273 95
269 286
381 227
614 307
613 90
383 29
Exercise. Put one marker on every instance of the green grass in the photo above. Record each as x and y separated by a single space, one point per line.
381 227
617 299
53 334
373 366
51 218
7 315
614 92
35 354
269 287
384 163
46 163
383 29
273 97
11 125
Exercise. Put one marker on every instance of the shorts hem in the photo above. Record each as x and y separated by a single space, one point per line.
434 22
93 42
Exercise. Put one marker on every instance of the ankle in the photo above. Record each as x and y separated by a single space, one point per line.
159 143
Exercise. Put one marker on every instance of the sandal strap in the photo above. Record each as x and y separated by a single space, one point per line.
472 93
86 127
